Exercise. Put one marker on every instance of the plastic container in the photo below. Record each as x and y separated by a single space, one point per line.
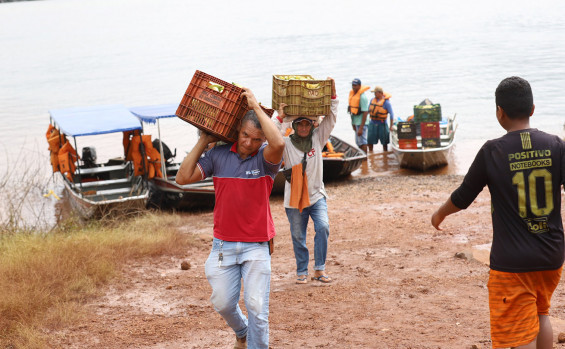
427 113
302 97
430 129
431 142
213 106
408 143
406 130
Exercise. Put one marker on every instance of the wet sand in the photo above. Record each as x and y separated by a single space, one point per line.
398 283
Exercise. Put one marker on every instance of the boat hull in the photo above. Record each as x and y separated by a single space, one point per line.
170 195
95 209
423 159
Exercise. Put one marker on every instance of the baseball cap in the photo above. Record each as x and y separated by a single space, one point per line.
356 82
377 89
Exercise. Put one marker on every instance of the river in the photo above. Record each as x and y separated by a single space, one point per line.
64 53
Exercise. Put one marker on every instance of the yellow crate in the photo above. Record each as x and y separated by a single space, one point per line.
307 97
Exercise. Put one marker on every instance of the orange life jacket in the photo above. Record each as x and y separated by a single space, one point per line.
141 164
154 158
54 140
67 160
376 110
126 142
355 98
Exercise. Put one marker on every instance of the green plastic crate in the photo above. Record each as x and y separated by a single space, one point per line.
427 113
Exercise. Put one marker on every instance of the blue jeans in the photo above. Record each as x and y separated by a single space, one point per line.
298 224
251 262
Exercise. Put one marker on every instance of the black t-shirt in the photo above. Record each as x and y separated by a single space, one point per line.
524 171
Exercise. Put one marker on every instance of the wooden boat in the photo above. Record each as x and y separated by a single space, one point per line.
423 158
334 168
164 191
94 189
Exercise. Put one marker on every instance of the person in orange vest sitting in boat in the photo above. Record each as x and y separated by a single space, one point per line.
358 109
379 109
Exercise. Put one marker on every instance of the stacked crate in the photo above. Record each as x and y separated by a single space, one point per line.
430 133
428 116
214 106
406 132
303 95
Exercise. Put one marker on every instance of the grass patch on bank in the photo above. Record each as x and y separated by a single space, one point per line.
44 278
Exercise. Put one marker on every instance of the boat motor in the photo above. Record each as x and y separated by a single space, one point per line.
89 157
169 156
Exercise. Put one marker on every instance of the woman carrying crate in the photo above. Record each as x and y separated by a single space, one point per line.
304 193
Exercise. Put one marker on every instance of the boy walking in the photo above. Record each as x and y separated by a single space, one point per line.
524 171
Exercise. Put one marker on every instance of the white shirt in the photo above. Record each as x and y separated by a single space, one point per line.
314 162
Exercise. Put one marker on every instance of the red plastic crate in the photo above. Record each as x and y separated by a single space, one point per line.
408 143
218 113
429 129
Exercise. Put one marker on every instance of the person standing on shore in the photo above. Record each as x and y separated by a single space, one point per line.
379 109
524 171
243 226
304 195
358 109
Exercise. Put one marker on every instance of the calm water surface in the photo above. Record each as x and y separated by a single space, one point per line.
63 53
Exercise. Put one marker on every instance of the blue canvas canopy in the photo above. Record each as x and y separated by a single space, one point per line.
85 121
150 113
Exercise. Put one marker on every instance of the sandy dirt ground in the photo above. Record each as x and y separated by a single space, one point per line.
398 283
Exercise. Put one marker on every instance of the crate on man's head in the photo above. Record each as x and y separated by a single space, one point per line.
213 106
427 113
303 95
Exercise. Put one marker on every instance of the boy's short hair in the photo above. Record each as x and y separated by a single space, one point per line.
252 117
514 96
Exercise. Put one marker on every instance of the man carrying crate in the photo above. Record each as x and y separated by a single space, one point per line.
243 226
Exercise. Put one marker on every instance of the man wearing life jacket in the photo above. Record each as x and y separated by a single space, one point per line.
379 109
358 109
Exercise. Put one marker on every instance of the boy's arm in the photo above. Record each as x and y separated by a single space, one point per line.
473 183
188 171
443 211
274 150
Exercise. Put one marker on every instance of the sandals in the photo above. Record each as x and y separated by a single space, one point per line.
302 279
322 278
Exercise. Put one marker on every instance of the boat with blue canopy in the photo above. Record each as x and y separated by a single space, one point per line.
98 189
165 192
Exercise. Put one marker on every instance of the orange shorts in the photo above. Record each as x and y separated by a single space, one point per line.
516 300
